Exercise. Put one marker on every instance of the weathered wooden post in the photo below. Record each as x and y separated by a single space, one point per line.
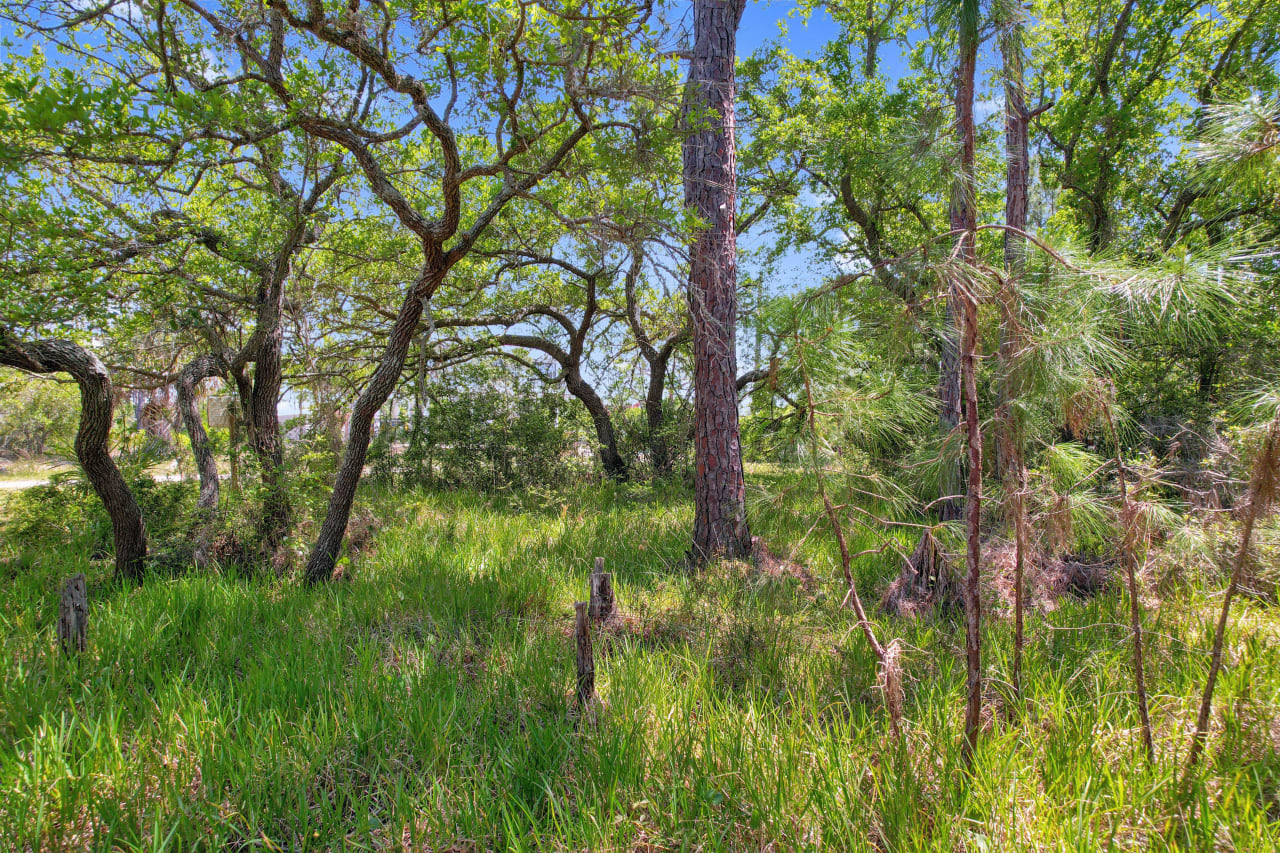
586 660
73 614
601 593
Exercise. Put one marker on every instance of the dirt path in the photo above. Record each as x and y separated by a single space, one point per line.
18 485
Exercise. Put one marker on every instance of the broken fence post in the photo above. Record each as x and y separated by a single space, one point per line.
73 614
585 658
601 593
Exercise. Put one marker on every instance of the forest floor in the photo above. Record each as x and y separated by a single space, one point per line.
425 701
25 473
19 474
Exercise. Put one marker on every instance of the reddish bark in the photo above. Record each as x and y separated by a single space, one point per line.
720 520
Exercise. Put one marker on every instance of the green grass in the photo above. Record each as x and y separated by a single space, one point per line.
31 469
423 704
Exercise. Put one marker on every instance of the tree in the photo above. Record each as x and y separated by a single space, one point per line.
196 371
657 353
545 324
962 304
97 403
1125 75
720 512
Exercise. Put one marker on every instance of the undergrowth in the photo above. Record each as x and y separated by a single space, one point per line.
422 703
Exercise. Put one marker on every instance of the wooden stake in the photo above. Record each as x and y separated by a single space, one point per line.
585 658
73 615
601 607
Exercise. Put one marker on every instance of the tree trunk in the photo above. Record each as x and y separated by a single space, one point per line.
324 554
615 467
964 220
267 442
244 390
720 516
656 418
200 368
96 406
1009 452
950 408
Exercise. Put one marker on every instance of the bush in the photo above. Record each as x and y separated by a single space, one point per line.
37 415
484 439
68 512
635 444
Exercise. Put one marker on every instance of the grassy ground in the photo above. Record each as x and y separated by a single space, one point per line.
423 704
31 470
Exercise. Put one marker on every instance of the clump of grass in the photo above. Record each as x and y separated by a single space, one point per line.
423 703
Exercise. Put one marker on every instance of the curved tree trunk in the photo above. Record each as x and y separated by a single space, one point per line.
324 554
96 406
615 467
199 369
659 361
720 511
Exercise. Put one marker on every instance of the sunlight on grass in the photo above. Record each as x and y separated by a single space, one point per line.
423 704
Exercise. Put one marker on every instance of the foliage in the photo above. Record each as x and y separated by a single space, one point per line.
481 438
66 512
37 417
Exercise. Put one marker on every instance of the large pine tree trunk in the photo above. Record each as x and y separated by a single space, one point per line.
199 369
720 521
96 406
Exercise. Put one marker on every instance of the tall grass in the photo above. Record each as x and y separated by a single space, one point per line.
423 704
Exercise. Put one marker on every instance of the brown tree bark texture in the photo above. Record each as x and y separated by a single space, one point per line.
962 303
73 615
720 517
1009 455
268 376
324 554
197 370
97 403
